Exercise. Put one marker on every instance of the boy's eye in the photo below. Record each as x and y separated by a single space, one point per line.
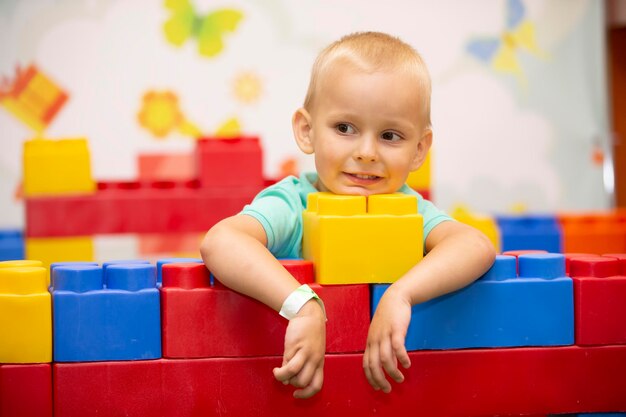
391 136
344 128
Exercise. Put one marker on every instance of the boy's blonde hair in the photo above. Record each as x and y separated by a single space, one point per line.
371 52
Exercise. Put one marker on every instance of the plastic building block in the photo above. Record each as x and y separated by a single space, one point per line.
594 232
482 382
236 162
530 232
25 315
128 207
26 390
165 261
20 263
54 167
166 167
131 388
499 310
600 292
60 249
11 244
106 315
200 320
485 224
517 254
354 240
156 245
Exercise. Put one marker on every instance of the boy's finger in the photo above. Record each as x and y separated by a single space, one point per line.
304 377
368 373
397 344
377 372
314 387
389 362
291 368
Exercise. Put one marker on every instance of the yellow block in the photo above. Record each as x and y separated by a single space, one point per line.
354 240
420 179
25 315
485 224
60 249
53 167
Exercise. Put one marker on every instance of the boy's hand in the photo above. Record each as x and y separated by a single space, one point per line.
305 345
385 340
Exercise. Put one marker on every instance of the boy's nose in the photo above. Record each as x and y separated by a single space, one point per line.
366 150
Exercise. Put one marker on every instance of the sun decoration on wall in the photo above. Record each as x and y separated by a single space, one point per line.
160 114
247 87
501 52
208 30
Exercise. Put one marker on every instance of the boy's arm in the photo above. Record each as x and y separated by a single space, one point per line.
235 251
457 255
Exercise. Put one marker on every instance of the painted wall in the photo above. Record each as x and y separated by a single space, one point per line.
519 97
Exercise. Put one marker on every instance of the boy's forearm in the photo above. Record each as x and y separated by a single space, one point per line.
243 264
456 261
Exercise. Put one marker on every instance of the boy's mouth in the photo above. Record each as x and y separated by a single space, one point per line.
363 178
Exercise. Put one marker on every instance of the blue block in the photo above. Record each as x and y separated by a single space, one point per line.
105 315
11 245
530 232
499 309
164 261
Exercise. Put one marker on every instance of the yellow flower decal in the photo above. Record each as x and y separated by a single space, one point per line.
161 115
247 87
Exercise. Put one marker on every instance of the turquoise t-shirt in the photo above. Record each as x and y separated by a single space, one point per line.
279 209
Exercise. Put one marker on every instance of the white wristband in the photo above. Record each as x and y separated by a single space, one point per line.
294 301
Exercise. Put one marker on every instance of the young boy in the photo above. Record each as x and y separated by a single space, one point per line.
366 119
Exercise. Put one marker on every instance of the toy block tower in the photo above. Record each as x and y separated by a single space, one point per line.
354 239
25 315
522 232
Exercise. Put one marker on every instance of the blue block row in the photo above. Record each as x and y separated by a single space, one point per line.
500 309
530 232
11 244
108 312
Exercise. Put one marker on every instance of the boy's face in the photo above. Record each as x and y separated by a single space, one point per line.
365 130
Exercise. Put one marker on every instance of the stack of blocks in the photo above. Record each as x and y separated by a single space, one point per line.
523 339
58 184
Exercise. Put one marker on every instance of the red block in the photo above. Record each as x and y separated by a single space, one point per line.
26 390
570 256
599 300
135 207
230 162
467 383
120 388
200 320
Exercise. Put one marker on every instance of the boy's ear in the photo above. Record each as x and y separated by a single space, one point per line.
422 149
301 124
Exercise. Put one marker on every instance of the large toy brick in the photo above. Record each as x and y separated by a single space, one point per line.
465 383
600 300
60 249
594 232
354 240
530 232
99 316
109 389
131 207
25 315
11 244
486 224
165 261
200 320
233 162
53 167
499 310
26 390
